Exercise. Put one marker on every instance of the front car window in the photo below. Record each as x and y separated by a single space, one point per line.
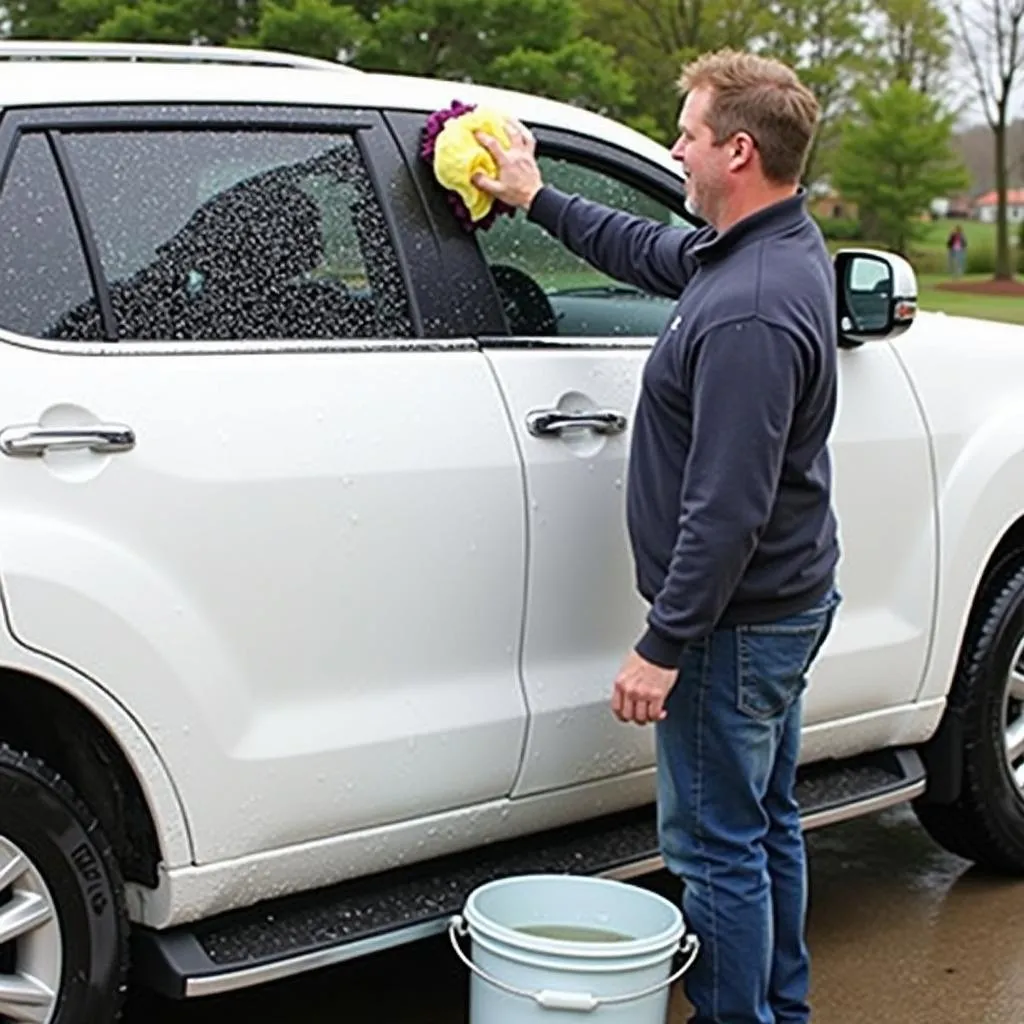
548 291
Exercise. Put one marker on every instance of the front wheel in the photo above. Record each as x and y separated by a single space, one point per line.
986 822
63 926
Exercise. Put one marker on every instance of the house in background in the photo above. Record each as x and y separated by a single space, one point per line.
955 207
985 206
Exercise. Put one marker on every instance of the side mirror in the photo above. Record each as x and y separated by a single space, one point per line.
876 295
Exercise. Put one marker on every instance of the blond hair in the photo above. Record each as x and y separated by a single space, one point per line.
762 97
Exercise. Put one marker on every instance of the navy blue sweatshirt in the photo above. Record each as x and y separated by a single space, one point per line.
729 499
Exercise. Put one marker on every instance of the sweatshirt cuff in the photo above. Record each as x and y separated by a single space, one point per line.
659 649
547 207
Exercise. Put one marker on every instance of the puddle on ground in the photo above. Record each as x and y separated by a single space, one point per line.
899 931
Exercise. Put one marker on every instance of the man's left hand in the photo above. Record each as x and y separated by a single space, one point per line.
641 689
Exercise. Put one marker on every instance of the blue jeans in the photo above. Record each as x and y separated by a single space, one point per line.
728 820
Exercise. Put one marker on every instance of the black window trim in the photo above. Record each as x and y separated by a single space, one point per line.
465 310
86 236
385 167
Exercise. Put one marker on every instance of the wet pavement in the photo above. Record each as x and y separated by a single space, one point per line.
899 931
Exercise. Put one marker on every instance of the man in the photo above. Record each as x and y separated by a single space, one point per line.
730 511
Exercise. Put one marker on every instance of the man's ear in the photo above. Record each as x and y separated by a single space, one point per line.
741 150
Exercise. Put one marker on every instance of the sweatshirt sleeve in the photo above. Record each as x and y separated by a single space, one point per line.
637 250
747 378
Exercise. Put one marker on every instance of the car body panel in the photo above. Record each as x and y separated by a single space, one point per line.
363 616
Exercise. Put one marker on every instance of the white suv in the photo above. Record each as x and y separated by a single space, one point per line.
312 557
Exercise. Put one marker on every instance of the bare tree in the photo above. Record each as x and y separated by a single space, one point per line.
990 34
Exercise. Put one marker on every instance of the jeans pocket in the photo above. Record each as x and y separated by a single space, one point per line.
773 663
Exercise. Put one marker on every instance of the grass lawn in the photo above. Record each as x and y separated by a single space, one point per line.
985 307
931 250
979 235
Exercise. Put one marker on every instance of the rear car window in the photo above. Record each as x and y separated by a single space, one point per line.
238 235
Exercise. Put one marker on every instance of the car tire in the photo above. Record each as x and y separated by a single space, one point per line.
985 823
58 874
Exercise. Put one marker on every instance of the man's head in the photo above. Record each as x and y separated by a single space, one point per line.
744 132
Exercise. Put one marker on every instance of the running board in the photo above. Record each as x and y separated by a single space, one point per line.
295 934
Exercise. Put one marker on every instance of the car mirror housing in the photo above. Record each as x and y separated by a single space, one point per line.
876 295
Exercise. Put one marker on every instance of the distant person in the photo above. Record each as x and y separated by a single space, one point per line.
956 247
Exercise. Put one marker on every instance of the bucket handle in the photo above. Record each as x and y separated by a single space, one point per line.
583 1002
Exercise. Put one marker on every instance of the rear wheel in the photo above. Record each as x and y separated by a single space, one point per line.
63 926
986 822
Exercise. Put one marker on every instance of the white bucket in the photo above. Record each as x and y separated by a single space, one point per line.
592 946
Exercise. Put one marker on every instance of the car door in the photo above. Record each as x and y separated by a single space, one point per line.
569 362
238 486
569 367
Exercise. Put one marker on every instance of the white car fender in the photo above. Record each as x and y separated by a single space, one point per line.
980 497
142 757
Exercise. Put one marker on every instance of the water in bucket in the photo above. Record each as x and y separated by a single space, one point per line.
573 933
549 949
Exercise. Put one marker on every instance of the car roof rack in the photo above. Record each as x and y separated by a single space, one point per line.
42 49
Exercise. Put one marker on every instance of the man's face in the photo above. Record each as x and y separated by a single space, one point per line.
704 163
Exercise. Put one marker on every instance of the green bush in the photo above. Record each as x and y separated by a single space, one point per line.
839 229
981 259
929 261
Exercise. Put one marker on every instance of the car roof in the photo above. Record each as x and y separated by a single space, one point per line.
43 82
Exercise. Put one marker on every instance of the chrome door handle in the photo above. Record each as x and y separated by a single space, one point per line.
31 440
545 422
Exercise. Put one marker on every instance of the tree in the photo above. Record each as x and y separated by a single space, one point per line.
989 33
525 44
895 158
315 28
461 38
529 44
913 44
184 21
824 41
910 43
57 19
654 38
149 21
584 72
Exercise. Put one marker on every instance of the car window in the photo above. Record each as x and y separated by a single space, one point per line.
43 271
547 290
238 235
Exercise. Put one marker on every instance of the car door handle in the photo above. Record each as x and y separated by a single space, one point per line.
546 422
31 440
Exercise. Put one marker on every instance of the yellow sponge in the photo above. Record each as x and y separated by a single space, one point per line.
458 156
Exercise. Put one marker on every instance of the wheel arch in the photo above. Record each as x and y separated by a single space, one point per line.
50 723
943 753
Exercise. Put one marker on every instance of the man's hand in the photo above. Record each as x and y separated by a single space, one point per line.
641 689
519 177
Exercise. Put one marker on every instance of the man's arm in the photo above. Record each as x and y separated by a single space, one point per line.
747 378
642 252
637 250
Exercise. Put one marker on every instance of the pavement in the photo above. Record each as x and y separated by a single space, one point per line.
899 931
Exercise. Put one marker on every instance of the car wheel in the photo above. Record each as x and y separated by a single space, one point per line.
63 925
986 822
